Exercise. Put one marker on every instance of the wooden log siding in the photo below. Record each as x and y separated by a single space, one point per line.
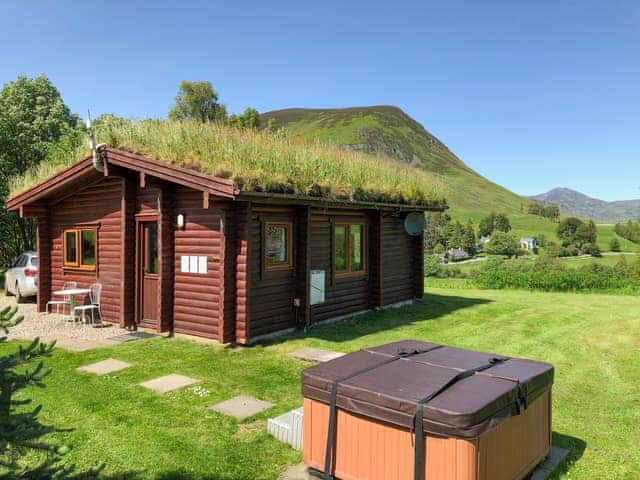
44 260
400 265
98 205
343 295
243 242
197 297
128 264
227 315
166 291
272 291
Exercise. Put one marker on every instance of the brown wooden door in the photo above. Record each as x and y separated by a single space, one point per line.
149 275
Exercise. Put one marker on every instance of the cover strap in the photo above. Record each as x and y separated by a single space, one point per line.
329 461
419 452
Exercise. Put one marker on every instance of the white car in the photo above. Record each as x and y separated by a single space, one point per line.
21 278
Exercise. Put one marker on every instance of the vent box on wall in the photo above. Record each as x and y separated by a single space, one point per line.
317 286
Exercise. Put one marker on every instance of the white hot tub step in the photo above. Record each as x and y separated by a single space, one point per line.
287 428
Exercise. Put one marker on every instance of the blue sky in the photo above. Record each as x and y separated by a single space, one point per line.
531 94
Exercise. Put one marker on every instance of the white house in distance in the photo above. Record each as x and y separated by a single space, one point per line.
528 243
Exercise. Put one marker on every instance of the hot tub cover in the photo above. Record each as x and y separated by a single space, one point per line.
472 392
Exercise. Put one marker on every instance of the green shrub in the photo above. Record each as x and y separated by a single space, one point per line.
549 274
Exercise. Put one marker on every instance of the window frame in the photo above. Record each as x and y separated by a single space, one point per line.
348 272
288 263
78 264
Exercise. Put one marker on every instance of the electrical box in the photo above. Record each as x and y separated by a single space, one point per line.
317 286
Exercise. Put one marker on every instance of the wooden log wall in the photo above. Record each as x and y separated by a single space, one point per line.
97 205
344 295
271 291
198 297
227 315
401 262
43 247
243 243
128 265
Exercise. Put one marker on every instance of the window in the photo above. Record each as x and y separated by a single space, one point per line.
349 242
80 248
278 247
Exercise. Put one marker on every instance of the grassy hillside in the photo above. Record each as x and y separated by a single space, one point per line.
389 131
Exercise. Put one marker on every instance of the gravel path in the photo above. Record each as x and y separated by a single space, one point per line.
50 327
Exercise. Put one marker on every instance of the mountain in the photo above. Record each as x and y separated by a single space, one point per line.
389 131
582 205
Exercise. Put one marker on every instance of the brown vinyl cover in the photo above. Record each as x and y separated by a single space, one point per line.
390 392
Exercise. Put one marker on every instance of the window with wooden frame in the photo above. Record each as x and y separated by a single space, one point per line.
278 245
349 248
80 248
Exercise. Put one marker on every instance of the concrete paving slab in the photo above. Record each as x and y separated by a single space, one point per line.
556 456
315 354
168 383
104 367
542 472
131 336
241 407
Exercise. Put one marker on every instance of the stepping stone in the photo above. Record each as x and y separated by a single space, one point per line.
551 463
129 337
168 383
241 407
109 365
297 472
317 355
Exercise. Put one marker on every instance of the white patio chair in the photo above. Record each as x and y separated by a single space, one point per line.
93 306
66 299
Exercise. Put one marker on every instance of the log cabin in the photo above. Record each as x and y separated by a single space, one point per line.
181 251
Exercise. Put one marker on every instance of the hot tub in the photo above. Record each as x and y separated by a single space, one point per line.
417 410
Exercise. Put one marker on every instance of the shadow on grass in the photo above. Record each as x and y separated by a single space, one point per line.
430 307
168 475
576 447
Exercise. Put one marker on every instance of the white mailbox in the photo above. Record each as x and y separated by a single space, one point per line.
317 286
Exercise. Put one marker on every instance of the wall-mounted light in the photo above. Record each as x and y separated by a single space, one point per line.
180 221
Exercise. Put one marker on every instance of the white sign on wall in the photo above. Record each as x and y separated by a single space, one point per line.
193 264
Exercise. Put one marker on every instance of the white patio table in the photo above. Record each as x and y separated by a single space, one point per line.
72 292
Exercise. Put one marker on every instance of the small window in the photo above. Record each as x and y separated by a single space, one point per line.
278 248
350 248
80 248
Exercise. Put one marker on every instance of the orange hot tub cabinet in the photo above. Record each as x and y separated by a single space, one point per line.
475 429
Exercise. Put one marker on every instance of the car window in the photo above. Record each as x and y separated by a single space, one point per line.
34 261
21 262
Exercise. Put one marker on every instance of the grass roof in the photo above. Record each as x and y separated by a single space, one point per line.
255 160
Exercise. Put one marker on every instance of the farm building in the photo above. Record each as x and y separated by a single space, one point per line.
178 250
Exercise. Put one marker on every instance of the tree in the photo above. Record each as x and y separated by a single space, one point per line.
501 223
567 230
487 225
32 118
469 239
614 245
437 230
250 118
23 452
502 243
198 101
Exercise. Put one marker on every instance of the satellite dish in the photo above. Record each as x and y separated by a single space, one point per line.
414 224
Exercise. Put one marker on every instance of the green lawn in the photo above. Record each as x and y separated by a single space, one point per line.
592 340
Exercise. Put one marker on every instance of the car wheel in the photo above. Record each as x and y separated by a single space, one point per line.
7 293
19 296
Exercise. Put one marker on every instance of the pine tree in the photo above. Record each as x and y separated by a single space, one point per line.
21 432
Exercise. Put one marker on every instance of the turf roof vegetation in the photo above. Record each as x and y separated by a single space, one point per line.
257 161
